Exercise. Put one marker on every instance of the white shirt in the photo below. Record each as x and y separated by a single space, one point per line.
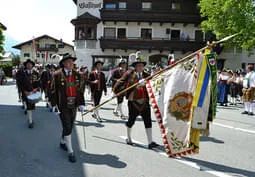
223 77
67 71
249 77
237 80
29 71
140 75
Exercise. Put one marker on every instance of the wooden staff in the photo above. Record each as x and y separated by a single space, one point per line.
209 45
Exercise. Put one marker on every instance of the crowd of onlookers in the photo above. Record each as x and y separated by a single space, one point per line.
230 85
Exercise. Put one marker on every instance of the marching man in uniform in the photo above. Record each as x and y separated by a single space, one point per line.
67 95
45 78
97 83
30 82
138 101
249 90
53 69
117 74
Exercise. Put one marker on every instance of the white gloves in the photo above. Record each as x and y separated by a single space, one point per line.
54 110
142 82
82 108
112 95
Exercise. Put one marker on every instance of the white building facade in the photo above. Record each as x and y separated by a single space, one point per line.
42 49
106 29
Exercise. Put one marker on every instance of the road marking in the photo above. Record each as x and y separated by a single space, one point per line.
185 162
235 128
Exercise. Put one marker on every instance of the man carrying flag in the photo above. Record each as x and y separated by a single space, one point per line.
138 100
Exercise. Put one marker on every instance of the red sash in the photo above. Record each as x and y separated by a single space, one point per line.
70 87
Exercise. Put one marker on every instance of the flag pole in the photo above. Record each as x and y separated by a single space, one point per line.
209 45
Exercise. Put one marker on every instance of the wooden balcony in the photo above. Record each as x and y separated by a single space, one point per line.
42 49
150 16
150 44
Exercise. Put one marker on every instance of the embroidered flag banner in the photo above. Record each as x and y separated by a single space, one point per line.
171 96
211 62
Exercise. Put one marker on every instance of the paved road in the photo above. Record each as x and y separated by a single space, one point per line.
229 151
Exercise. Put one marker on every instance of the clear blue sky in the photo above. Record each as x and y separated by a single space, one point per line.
27 18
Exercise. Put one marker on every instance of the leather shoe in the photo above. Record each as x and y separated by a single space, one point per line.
153 145
250 114
245 112
72 158
129 142
31 125
99 120
63 146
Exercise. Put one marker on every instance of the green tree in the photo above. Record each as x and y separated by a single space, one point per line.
16 60
227 17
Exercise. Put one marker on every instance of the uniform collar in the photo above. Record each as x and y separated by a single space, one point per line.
122 69
67 71
141 73
96 71
29 71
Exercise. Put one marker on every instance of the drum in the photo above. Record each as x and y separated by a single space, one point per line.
34 97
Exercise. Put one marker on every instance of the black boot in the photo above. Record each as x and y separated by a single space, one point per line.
31 125
245 112
129 142
153 145
63 147
72 158
250 114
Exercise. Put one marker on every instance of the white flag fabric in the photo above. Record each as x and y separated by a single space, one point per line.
171 94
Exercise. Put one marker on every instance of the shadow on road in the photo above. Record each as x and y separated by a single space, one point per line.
114 121
89 124
101 159
109 140
222 168
211 139
33 152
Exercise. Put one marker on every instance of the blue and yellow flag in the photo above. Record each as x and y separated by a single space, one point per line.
203 82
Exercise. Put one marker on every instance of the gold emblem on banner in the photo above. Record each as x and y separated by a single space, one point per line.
180 106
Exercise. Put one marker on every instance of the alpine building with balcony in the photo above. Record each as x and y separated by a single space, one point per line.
106 29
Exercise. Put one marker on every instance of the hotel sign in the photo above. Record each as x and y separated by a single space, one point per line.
91 6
